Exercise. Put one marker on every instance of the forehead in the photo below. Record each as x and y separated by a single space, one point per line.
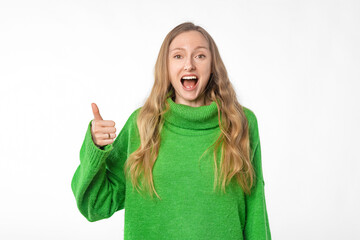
189 40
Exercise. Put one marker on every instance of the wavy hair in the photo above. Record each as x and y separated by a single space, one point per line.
233 139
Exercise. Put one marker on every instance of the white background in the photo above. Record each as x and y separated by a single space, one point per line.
296 64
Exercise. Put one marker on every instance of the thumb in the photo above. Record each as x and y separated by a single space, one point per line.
96 112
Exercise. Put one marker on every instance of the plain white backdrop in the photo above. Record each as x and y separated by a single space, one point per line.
296 64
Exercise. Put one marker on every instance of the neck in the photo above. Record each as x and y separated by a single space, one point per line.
195 103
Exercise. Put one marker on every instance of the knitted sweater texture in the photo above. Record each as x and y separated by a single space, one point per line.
189 207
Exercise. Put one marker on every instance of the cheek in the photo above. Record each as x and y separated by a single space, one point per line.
205 66
206 70
170 69
173 70
172 74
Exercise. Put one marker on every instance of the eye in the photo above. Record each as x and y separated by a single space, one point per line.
201 56
177 56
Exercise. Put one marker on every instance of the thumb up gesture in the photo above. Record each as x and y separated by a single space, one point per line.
103 132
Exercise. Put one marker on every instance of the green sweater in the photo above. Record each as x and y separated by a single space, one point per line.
189 208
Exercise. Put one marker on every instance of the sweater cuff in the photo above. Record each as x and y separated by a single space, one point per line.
94 154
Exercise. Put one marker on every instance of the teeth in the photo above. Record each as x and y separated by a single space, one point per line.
190 77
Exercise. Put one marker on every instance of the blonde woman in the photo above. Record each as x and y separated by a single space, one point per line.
187 164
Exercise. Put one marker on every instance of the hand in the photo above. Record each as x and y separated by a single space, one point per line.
103 132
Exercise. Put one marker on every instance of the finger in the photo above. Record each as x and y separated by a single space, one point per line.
107 136
108 130
96 112
105 123
103 130
105 142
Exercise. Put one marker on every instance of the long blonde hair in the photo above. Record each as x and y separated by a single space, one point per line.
234 136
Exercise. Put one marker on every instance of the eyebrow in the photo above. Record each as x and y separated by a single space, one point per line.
184 49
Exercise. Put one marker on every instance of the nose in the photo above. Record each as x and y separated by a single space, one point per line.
189 65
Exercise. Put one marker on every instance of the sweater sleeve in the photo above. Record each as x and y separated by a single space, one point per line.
257 223
99 181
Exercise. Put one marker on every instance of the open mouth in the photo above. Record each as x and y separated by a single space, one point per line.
189 82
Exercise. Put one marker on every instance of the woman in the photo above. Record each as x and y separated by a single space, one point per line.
191 144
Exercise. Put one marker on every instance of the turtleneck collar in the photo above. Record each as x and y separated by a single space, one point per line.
183 116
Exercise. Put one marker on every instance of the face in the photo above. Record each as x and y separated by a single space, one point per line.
189 66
